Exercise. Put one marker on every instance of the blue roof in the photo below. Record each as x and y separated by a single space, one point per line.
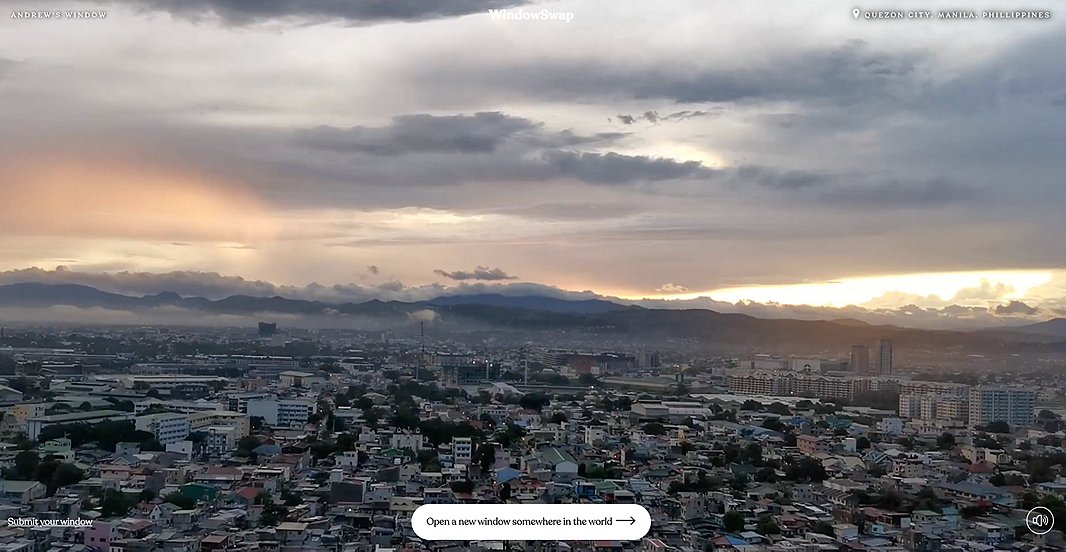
503 475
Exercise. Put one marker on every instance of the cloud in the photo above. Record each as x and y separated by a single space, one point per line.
784 180
614 168
241 12
654 117
373 269
483 132
479 273
424 315
849 73
486 147
671 288
1015 308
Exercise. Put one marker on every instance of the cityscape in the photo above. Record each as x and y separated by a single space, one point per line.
532 276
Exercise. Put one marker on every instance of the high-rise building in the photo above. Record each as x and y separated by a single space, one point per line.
1002 404
884 357
268 329
860 359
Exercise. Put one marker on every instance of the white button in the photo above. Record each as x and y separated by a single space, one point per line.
563 522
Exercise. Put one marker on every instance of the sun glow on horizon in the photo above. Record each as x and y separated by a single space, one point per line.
972 287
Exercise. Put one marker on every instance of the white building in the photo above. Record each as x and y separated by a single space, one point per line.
168 427
220 440
281 412
403 440
991 404
348 460
462 450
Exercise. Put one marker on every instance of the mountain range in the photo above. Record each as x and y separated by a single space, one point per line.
530 313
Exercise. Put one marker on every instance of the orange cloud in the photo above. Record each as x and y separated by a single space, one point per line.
59 197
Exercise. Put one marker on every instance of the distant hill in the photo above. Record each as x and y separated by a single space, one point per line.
498 313
532 302
1051 328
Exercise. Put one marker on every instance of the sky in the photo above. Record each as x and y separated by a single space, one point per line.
746 157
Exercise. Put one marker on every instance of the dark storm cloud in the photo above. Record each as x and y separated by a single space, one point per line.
654 117
1016 307
484 147
858 190
614 168
850 73
353 11
480 273
423 133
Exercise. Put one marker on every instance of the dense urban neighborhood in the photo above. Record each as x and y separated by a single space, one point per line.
188 441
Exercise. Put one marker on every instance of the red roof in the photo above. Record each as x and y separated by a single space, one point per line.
248 493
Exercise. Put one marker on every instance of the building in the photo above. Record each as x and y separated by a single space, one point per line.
860 359
168 427
947 409
793 384
294 378
201 420
282 412
462 450
175 406
810 445
994 404
805 365
464 374
408 440
35 425
238 402
21 492
267 329
25 411
219 440
884 357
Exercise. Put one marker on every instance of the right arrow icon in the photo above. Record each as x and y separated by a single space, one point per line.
630 520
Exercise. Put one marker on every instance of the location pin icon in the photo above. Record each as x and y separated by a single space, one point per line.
855 13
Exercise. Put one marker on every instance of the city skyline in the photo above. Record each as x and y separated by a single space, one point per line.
828 165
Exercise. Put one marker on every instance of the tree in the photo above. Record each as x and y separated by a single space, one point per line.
486 457
64 474
115 503
823 527
505 492
767 526
26 463
246 444
773 424
654 428
733 521
180 500
862 443
945 441
805 469
998 426
534 401
462 487
779 409
751 405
